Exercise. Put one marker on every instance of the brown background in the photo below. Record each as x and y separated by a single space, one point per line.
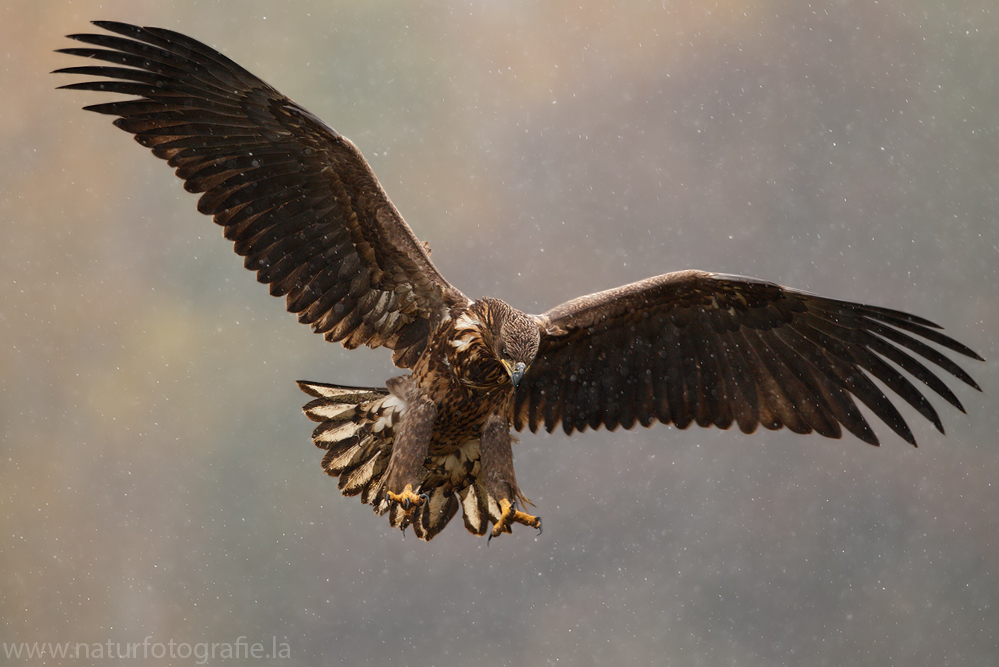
156 474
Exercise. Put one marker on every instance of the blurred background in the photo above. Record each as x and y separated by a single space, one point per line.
156 473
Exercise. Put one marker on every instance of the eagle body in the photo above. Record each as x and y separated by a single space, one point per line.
432 429
305 211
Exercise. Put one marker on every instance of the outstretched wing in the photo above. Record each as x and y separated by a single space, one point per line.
716 349
297 198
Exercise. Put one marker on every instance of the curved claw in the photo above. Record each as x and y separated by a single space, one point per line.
407 498
511 515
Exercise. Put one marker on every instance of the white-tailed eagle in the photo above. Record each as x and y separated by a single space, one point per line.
304 209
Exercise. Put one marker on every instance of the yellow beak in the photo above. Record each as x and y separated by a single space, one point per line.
515 370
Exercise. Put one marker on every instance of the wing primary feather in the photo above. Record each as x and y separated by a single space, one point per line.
848 345
924 350
915 368
911 323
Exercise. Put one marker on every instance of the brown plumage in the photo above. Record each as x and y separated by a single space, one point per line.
303 207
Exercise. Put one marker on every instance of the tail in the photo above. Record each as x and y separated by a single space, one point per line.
351 429
356 428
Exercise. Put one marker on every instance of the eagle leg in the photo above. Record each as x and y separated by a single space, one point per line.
412 440
511 515
498 477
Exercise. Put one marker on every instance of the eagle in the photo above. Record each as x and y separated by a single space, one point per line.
305 210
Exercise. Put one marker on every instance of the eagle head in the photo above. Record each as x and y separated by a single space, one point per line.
517 343
493 343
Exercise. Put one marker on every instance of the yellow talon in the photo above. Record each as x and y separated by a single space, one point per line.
510 515
408 497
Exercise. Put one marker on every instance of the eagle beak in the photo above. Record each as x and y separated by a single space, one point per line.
516 371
